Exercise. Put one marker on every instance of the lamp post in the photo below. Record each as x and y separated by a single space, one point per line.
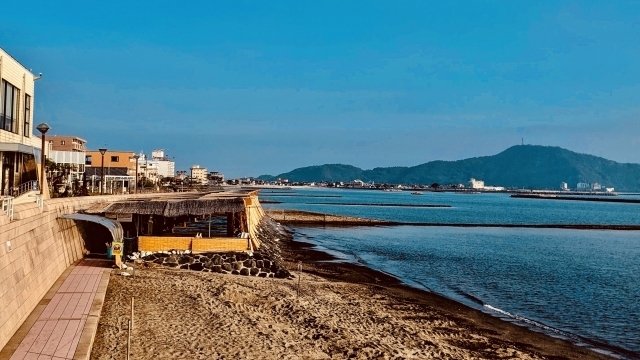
43 128
102 151
136 156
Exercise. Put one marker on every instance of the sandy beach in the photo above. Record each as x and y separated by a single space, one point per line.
343 311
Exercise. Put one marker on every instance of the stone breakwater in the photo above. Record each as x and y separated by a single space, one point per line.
222 263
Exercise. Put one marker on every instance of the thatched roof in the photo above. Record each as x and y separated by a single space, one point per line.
175 208
203 206
153 207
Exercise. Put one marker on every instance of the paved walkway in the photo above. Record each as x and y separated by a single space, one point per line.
64 323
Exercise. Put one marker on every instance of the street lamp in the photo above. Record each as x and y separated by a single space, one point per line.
43 128
102 151
136 156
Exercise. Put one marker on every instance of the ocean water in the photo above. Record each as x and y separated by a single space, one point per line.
582 285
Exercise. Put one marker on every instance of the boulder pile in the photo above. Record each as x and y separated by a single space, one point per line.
224 263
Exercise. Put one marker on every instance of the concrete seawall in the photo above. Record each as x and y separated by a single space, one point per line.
35 249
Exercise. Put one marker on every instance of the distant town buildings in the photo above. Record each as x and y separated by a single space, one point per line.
69 155
215 177
596 187
564 186
476 184
199 174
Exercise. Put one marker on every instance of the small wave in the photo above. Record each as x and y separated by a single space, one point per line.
531 322
470 297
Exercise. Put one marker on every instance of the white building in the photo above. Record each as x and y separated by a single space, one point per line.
476 184
564 186
73 163
166 167
19 149
583 186
199 174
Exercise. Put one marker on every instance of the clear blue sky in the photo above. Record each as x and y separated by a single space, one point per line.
255 87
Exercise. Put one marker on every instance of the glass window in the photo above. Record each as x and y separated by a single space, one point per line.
26 131
9 105
115 158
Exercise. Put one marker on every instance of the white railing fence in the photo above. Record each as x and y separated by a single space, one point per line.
6 205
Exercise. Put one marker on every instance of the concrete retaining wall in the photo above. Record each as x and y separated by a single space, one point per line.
35 248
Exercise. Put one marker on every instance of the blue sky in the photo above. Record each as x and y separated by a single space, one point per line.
255 87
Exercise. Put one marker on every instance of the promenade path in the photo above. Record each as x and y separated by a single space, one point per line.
64 323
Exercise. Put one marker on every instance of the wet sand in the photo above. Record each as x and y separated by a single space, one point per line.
342 311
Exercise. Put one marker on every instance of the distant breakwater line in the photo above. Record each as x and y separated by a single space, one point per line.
575 198
383 205
301 196
313 219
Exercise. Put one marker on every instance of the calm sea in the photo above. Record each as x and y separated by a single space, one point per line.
583 285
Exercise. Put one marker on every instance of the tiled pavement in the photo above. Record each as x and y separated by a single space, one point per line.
64 324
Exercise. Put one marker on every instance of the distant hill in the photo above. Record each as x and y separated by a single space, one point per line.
522 166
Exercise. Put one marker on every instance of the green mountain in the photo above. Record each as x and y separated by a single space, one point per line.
522 166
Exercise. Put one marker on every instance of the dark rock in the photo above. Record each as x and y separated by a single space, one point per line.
241 256
244 272
227 267
260 264
185 259
237 265
159 261
217 260
235 272
216 268
282 274
172 258
208 264
247 263
160 255
270 275
274 267
254 271
171 264
196 266
184 266
262 274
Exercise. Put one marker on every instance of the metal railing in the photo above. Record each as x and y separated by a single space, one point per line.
6 205
25 187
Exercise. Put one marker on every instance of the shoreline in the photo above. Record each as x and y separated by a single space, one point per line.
326 265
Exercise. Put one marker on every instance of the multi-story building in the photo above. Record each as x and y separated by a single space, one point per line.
69 154
199 174
119 170
148 169
19 149
67 143
166 167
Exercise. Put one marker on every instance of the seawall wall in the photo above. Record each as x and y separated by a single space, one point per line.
35 248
